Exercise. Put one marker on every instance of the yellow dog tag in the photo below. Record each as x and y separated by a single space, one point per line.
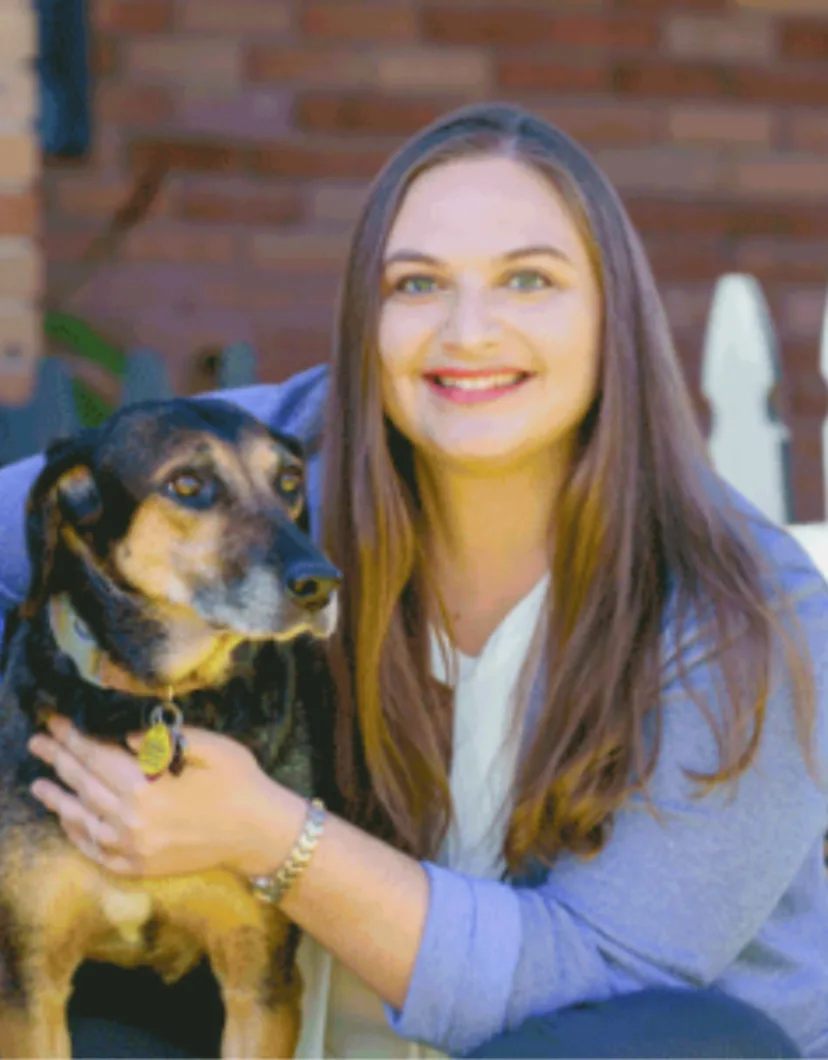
156 750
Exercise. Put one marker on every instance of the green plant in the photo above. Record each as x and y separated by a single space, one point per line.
81 339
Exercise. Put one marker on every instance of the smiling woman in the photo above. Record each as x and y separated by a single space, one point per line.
582 687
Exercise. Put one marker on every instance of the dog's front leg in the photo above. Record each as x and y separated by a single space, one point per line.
261 993
33 1020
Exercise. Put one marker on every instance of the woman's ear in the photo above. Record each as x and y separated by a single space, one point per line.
64 493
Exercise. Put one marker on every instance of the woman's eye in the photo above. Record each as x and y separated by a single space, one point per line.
527 280
290 482
417 285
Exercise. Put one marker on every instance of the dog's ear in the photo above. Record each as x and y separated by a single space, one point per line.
64 493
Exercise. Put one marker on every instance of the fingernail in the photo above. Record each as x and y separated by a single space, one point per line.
37 746
57 725
37 790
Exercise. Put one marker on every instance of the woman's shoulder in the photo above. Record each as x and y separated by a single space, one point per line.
295 406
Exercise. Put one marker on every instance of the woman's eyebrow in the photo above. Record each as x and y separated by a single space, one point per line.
534 251
411 255
521 252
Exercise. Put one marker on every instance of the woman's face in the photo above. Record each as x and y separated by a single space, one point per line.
491 317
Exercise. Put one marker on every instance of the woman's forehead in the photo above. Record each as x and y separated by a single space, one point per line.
482 206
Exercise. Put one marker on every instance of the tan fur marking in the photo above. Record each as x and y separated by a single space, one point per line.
67 905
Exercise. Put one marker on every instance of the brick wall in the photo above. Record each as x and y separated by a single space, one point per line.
710 116
20 257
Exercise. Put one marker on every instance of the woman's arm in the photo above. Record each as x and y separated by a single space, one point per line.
458 960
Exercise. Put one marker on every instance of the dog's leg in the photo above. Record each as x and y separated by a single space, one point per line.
251 950
262 1014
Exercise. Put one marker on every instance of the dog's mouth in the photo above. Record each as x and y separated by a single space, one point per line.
258 607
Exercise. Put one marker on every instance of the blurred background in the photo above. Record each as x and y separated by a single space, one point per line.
180 175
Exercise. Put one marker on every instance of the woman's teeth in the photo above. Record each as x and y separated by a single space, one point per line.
480 382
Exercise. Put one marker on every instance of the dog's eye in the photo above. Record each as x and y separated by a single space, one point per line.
290 481
189 486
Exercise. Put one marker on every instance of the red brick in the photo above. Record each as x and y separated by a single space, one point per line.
255 113
105 56
708 81
318 66
91 195
604 123
661 169
657 78
782 87
67 242
787 7
187 60
322 112
130 104
19 214
669 5
198 156
236 16
731 218
435 70
530 73
298 250
346 20
169 241
504 27
722 38
784 260
224 201
721 124
283 353
312 292
785 177
340 202
693 260
312 161
807 130
804 40
134 16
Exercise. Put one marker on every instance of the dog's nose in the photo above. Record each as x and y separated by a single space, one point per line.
311 585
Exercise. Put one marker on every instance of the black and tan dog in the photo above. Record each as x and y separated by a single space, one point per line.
169 564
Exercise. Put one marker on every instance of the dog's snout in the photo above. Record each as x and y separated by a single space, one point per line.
311 585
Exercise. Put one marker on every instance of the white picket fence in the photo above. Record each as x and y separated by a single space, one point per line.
747 442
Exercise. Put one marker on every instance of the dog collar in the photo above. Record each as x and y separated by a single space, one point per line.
162 746
74 638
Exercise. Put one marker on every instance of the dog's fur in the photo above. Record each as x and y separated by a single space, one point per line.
176 533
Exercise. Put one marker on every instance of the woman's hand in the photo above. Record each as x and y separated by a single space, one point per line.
202 819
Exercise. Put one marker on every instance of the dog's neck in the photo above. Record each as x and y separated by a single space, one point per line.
74 638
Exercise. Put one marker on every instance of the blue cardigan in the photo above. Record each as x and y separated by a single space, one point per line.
729 891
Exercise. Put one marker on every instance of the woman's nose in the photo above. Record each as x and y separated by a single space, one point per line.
469 321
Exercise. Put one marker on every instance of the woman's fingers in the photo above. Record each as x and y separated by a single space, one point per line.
92 792
75 818
115 768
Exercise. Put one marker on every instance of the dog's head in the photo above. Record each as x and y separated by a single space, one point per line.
176 524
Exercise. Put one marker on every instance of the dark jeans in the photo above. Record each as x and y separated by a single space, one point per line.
652 1023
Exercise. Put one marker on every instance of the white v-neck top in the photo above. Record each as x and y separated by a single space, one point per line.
341 1016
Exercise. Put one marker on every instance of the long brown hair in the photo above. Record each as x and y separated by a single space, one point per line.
643 532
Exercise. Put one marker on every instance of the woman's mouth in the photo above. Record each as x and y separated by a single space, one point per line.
472 388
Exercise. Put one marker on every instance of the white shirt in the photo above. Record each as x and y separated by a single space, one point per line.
342 1017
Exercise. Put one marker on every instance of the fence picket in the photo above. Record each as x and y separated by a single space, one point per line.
747 443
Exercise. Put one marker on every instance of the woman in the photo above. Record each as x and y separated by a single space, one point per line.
581 710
